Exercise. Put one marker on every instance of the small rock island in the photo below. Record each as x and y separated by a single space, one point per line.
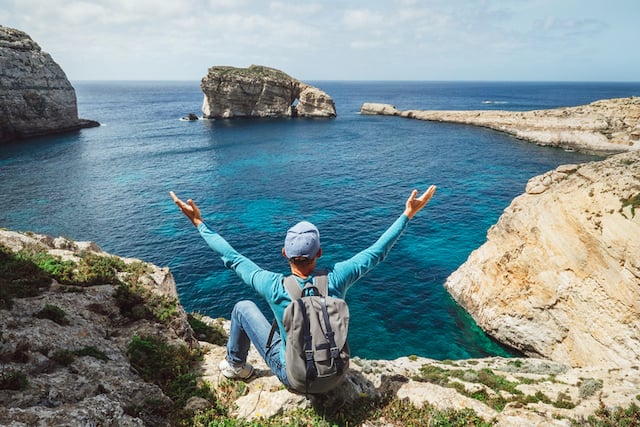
258 92
36 98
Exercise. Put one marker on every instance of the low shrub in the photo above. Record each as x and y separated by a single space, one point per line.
611 417
63 357
13 380
19 278
171 367
54 313
136 302
91 352
204 332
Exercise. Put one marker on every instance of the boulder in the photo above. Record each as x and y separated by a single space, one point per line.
260 91
559 274
373 109
36 98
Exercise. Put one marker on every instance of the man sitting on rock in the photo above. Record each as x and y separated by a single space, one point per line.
302 249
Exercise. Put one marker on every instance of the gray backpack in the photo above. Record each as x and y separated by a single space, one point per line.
317 351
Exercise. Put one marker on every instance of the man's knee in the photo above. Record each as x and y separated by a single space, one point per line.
243 306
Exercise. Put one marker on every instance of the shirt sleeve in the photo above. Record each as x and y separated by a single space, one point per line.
345 273
247 270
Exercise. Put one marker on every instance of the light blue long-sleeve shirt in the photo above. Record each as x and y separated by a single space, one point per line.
270 285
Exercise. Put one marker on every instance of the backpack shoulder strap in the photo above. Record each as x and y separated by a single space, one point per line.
321 282
292 287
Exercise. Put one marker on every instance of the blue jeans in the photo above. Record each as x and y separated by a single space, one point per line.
248 325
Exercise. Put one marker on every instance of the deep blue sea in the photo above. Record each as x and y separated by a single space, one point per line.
254 178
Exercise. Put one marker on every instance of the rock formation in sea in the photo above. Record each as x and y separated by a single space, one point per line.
559 274
602 127
77 350
259 91
36 98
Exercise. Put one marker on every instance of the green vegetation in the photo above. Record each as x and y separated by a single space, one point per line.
91 270
91 352
136 302
633 201
63 357
394 412
66 357
496 387
30 271
173 369
12 379
589 387
605 417
19 278
258 71
54 313
204 332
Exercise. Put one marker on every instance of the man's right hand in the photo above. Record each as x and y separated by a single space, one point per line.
190 209
415 204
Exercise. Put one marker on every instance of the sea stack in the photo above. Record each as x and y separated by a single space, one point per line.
36 98
259 91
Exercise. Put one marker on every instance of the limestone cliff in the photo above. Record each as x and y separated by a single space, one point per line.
36 98
260 91
602 127
559 275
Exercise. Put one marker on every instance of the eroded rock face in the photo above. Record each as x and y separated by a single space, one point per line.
88 391
260 92
559 275
607 126
36 98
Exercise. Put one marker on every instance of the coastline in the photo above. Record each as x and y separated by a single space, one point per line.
602 127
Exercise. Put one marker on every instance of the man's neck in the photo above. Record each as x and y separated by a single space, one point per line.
302 271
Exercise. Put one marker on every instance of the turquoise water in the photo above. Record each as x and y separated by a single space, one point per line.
255 178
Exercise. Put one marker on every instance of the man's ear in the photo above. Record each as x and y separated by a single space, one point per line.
318 255
284 254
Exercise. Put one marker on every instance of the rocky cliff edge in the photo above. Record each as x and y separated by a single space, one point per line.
81 349
559 274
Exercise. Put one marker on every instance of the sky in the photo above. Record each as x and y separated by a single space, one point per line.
486 40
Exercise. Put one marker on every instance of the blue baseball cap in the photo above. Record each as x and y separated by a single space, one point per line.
303 240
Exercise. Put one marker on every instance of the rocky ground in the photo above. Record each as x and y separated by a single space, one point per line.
533 392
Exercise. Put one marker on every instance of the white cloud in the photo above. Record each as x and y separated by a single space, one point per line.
356 19
169 39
